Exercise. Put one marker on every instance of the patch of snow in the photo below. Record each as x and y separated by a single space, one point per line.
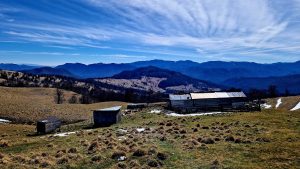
156 111
140 129
122 158
265 106
192 114
296 107
278 103
4 121
122 130
64 134
121 138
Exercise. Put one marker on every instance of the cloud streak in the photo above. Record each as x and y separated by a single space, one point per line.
202 28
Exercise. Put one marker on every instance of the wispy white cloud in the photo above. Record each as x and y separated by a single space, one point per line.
201 27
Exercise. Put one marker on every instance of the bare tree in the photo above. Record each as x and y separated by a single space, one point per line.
59 96
73 100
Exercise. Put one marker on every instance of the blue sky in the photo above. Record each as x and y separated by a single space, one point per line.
52 32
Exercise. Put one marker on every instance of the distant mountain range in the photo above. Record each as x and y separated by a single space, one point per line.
231 74
16 67
49 71
283 83
95 70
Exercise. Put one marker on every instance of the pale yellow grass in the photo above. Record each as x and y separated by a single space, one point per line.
287 102
31 104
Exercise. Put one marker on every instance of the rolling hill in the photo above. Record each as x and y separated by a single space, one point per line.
157 80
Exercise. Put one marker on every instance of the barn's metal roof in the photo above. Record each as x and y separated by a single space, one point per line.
217 95
237 94
180 96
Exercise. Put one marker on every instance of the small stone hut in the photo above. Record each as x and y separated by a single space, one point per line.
48 125
106 117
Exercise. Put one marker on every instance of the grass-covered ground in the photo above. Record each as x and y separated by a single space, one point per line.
267 139
27 105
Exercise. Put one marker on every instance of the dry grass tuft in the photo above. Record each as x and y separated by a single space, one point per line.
4 143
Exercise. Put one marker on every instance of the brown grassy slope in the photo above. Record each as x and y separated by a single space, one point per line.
31 104
287 102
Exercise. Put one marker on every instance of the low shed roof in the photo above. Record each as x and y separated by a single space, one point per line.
180 96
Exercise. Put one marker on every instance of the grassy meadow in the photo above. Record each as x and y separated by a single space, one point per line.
267 139
27 105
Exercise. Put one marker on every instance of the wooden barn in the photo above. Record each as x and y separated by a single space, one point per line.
107 117
212 101
183 100
48 125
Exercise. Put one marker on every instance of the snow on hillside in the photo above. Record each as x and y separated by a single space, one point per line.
4 121
296 107
278 103
193 114
265 106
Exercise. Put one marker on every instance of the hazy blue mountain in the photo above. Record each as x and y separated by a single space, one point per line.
214 71
220 71
16 67
49 71
290 82
95 70
171 65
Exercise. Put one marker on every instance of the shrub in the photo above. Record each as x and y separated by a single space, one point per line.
93 146
162 156
238 140
182 131
134 163
152 163
62 160
263 139
96 158
4 144
122 165
116 155
208 141
72 150
139 153
217 139
44 164
229 139
152 150
44 154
